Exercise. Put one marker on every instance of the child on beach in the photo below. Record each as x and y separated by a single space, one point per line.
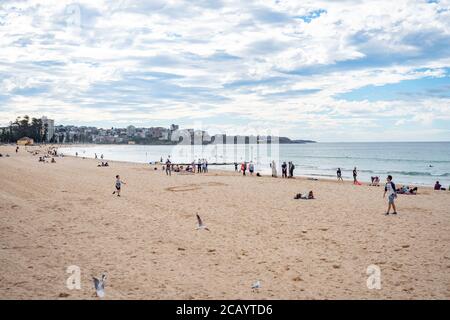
392 194
118 185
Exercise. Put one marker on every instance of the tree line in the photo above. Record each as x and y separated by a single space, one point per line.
24 127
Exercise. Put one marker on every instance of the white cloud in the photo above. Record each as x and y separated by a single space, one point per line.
223 62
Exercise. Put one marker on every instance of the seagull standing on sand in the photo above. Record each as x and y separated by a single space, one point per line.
100 286
256 285
200 224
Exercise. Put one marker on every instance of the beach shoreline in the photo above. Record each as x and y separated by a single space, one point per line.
56 215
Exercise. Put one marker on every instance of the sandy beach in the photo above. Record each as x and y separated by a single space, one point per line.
56 215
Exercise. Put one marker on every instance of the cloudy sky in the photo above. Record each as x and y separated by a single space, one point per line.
342 70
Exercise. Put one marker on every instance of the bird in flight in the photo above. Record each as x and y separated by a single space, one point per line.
200 224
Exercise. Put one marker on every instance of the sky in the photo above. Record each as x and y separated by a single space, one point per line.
342 70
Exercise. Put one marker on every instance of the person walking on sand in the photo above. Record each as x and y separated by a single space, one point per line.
168 168
17 149
392 194
235 167
118 185
355 174
339 175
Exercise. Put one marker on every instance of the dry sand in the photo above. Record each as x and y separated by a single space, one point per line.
56 215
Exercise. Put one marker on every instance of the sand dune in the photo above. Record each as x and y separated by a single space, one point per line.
56 215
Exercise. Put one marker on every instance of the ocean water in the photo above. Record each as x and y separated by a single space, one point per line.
413 163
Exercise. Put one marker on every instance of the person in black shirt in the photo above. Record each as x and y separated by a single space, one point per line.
284 170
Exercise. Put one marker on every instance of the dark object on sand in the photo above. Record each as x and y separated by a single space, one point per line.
310 196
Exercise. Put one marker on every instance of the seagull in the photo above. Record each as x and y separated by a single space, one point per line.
256 285
100 285
200 224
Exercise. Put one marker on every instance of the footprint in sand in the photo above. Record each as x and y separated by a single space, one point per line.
193 187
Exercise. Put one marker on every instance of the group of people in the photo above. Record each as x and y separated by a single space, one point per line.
310 196
407 190
103 164
43 159
250 167
287 168
355 176
201 166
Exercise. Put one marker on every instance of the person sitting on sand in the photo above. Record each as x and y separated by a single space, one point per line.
437 186
310 196
375 181
118 185
53 160
407 190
